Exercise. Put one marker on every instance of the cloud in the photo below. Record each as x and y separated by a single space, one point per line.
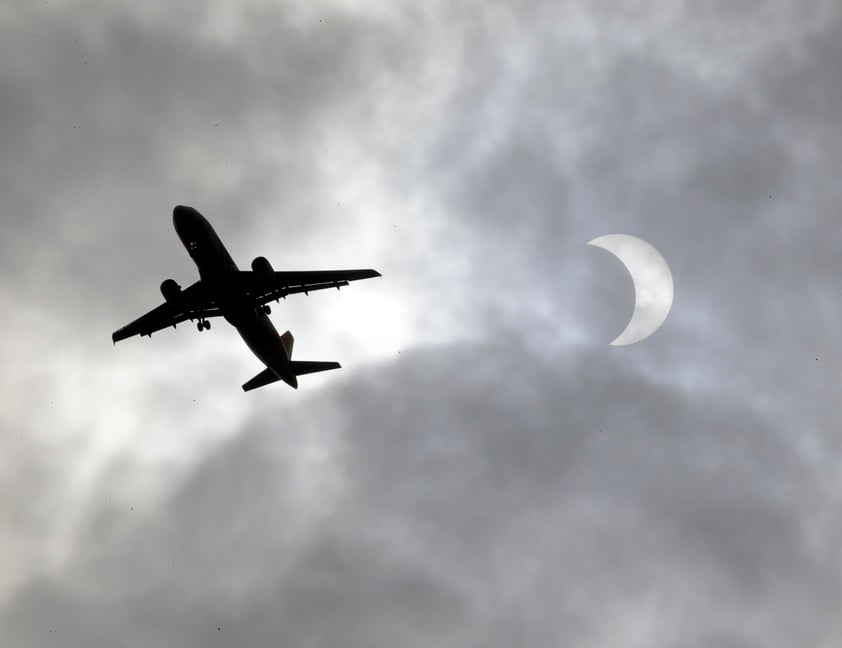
506 478
497 496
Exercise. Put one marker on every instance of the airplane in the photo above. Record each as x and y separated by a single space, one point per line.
240 296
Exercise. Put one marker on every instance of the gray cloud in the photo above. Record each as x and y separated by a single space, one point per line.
80 137
553 504
524 485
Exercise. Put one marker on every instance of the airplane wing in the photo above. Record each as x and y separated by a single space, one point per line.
264 289
193 304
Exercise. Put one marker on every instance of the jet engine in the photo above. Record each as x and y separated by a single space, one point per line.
262 267
264 272
171 291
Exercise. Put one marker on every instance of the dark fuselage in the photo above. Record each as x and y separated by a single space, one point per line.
219 273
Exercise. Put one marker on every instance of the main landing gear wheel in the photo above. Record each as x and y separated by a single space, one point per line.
203 325
267 309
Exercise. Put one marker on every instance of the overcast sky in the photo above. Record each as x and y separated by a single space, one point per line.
485 470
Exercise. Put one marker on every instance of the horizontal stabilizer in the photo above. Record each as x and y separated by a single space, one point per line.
265 377
300 367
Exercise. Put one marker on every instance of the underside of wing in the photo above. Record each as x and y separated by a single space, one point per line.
267 287
192 303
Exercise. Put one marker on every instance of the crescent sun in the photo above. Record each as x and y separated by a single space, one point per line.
653 288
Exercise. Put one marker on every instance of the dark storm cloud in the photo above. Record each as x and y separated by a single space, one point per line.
498 497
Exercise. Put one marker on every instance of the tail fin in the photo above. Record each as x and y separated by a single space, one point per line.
296 368
300 367
265 377
287 340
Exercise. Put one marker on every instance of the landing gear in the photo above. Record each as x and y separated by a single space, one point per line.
267 310
203 325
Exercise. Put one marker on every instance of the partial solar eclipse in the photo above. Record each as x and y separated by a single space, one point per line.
653 290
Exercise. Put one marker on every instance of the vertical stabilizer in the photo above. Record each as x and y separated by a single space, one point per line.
287 340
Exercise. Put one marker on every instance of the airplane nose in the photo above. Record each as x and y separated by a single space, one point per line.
180 212
182 216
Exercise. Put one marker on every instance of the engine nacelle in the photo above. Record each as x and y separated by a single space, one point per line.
171 291
262 267
264 272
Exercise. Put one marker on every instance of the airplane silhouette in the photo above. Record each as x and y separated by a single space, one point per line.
240 296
